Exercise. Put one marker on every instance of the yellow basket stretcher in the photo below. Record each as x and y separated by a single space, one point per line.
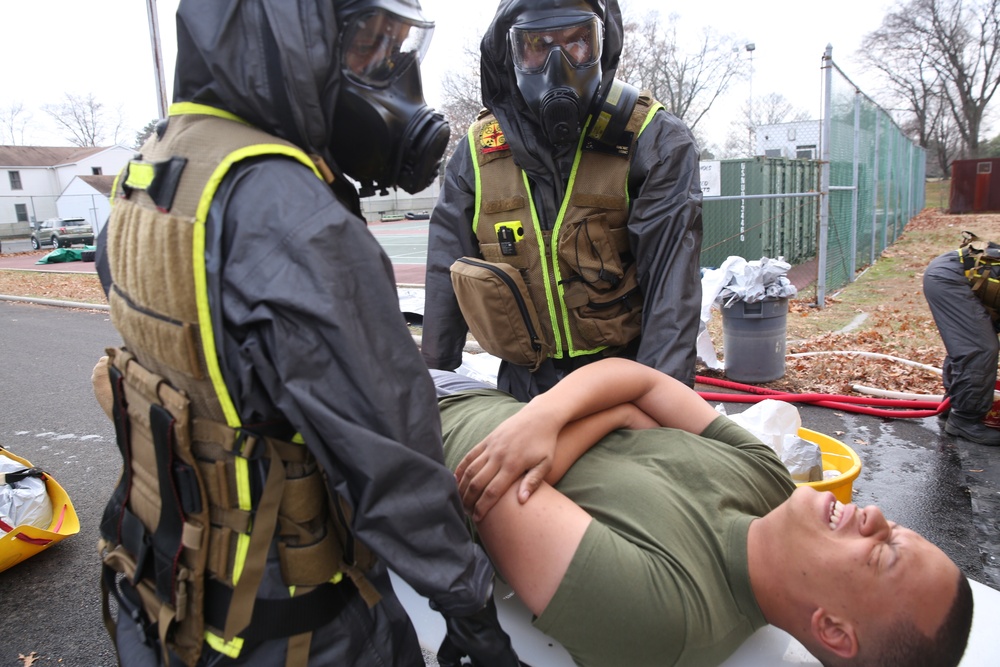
25 541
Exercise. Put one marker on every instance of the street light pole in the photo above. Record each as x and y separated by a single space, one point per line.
750 47
154 40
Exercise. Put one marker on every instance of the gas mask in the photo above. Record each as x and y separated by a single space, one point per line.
385 135
557 63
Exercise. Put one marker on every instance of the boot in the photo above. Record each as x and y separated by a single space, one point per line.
971 429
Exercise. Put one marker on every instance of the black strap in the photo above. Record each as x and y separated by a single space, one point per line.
23 473
169 529
276 619
111 521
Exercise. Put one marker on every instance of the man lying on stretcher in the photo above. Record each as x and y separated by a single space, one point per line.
670 546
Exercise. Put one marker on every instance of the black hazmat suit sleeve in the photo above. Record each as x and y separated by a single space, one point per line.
665 233
450 236
311 332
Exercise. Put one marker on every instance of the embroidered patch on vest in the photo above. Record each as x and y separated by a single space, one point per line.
491 138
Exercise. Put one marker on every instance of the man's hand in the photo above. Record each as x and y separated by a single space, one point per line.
102 386
524 444
478 637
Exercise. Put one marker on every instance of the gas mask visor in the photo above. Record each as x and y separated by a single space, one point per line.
532 42
378 45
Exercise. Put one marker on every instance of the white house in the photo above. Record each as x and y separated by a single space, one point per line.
798 139
33 178
87 197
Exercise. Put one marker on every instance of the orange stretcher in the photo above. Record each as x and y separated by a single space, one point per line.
25 541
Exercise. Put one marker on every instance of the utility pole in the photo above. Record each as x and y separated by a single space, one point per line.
154 40
750 47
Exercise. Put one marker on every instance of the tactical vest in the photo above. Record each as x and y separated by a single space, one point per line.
565 292
201 497
981 262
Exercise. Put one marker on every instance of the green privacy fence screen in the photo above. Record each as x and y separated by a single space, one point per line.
840 189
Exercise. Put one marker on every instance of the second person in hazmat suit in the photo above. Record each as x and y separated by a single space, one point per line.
278 427
569 224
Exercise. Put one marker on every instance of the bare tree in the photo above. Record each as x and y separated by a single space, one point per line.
13 121
461 92
686 81
943 52
85 120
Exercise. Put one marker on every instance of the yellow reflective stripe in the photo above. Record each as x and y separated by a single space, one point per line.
114 188
475 168
243 499
556 333
649 116
298 439
205 318
186 108
200 277
229 649
140 175
570 348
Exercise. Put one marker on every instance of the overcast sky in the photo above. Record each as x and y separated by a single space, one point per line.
53 47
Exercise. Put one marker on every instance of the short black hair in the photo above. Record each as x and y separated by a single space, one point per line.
904 645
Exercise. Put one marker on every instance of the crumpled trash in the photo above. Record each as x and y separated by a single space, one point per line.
738 280
757 280
25 502
777 425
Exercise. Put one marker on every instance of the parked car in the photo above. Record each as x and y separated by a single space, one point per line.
62 232
418 215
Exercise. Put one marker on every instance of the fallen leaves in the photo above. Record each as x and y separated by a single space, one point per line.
27 660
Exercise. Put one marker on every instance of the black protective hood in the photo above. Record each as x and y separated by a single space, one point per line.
228 57
499 84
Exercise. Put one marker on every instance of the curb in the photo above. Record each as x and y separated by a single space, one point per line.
54 302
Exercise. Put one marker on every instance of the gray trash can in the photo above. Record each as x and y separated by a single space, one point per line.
753 338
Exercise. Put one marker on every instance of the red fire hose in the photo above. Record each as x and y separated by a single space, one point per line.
875 407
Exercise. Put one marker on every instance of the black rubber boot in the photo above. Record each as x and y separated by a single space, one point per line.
972 429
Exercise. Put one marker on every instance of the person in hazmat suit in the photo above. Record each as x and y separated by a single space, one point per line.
963 292
279 432
568 227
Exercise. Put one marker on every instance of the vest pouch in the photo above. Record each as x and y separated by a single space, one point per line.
499 311
586 248
603 299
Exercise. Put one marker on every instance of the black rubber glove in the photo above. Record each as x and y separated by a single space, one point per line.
478 637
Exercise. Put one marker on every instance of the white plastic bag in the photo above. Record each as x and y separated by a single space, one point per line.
777 424
25 502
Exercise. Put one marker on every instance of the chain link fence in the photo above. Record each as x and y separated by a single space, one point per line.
838 190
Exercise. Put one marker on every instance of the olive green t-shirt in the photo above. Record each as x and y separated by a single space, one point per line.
660 577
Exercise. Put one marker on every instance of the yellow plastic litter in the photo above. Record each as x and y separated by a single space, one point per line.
25 541
836 456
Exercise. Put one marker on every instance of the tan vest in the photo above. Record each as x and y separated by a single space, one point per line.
580 276
188 461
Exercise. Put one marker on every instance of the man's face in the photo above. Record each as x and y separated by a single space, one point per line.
863 567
